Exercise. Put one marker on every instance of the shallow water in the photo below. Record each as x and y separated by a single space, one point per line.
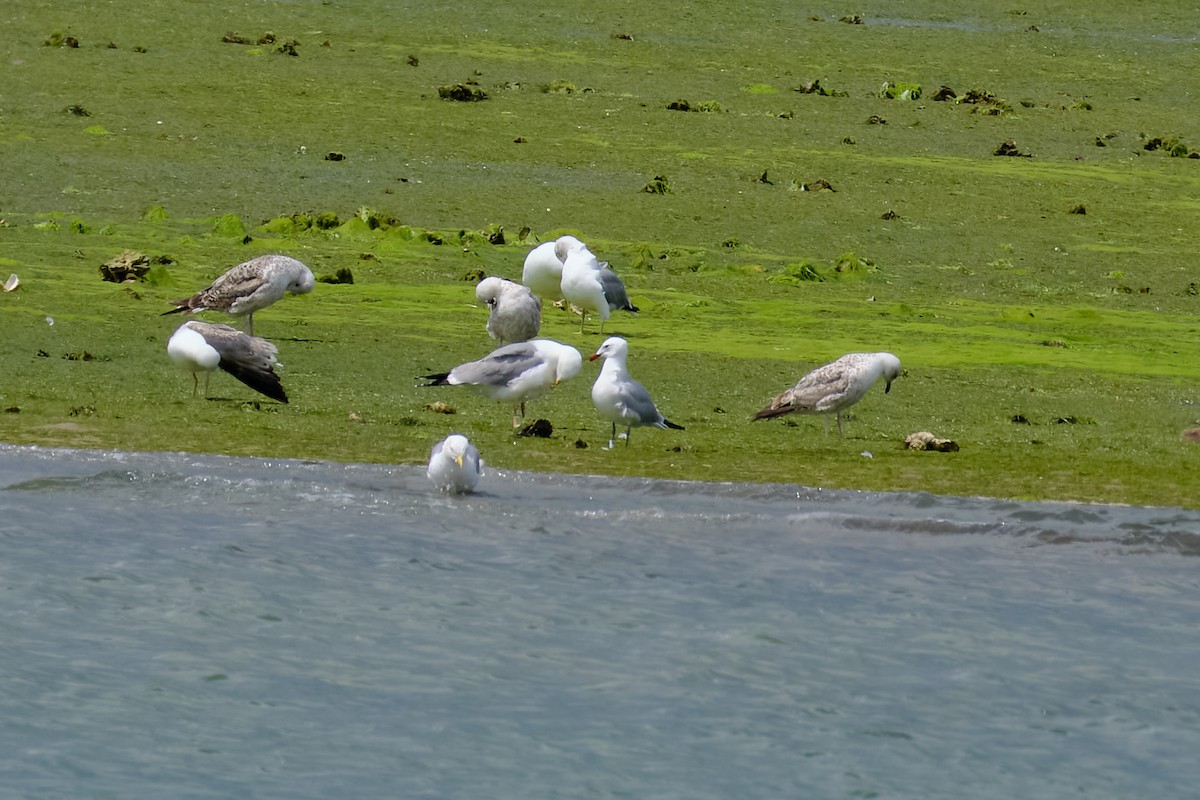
184 626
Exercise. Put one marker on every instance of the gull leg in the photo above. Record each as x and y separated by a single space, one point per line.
612 440
826 426
840 432
517 419
207 375
195 385
582 320
250 323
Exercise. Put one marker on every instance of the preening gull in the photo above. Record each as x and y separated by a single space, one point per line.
618 397
542 272
834 387
205 346
517 372
514 312
454 465
248 287
591 286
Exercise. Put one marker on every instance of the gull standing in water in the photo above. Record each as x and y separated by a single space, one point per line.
205 346
514 312
454 465
517 372
834 387
618 397
591 286
248 287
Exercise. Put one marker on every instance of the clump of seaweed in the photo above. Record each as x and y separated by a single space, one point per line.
467 92
708 106
815 87
1171 146
658 185
60 39
900 91
559 87
1009 148
343 275
984 102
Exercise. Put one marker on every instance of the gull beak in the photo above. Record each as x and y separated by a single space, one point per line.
459 459
594 356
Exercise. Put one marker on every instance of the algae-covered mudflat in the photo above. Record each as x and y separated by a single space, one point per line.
1005 198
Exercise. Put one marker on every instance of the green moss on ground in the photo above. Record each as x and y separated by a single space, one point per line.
1002 303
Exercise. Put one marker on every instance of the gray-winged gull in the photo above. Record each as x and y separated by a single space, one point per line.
591 286
516 372
514 312
454 465
618 397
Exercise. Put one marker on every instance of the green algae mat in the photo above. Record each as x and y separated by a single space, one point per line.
1006 199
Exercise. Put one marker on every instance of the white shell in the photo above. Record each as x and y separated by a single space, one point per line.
12 283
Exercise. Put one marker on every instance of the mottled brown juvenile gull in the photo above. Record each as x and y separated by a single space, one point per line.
514 312
205 346
834 387
454 465
517 372
618 397
248 287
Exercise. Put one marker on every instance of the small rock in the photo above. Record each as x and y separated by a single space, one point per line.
438 407
924 440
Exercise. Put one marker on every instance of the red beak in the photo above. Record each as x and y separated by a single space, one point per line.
594 356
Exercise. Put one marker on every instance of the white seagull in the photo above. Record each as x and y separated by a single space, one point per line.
834 387
514 312
542 271
591 286
205 346
454 465
517 372
248 287
618 397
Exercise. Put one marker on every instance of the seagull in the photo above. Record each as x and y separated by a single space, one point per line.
204 346
620 398
517 372
514 312
834 387
454 465
542 271
592 286
249 286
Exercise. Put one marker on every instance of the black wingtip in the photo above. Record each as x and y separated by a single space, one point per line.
437 379
670 424
266 383
176 310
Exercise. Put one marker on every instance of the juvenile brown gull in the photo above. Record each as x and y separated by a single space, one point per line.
834 387
205 346
248 287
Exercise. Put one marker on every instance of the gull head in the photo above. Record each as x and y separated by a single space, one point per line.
614 346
